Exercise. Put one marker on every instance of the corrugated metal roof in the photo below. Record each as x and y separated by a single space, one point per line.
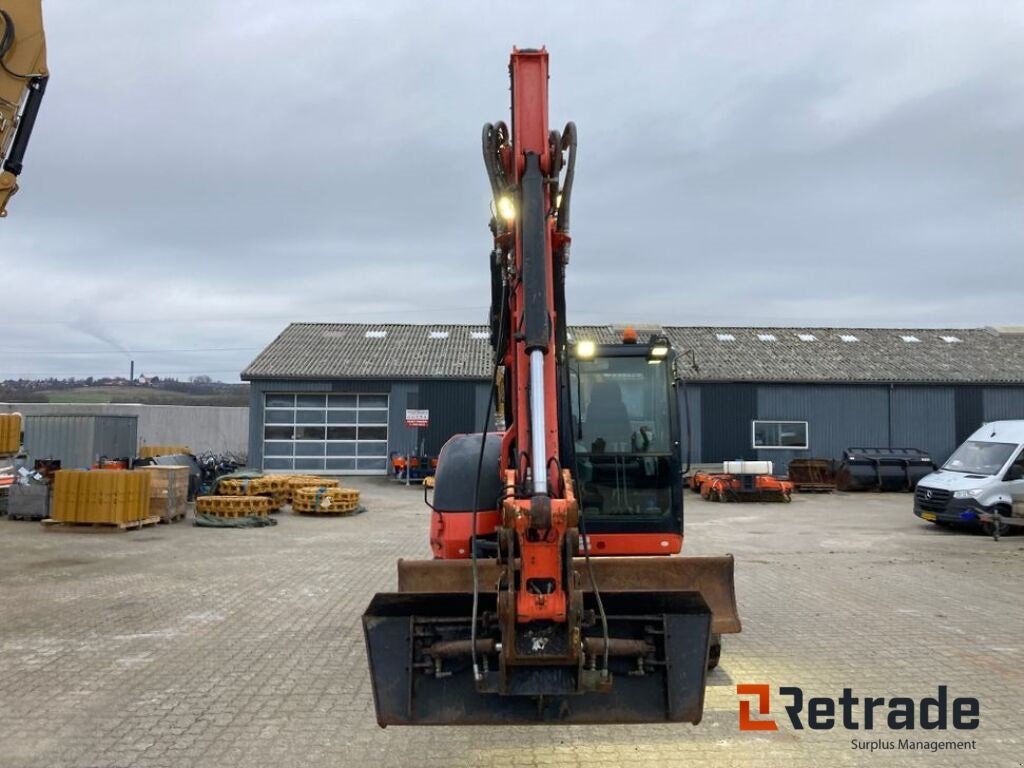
354 351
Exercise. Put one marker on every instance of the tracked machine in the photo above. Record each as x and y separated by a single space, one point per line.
555 593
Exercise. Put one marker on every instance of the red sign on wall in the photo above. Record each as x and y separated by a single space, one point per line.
417 417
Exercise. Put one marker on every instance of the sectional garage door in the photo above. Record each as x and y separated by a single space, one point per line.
326 433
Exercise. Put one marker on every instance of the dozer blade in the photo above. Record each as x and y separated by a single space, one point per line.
419 649
711 575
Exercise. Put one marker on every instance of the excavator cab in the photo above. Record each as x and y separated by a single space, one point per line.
625 447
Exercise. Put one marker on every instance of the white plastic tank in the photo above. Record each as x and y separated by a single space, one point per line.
747 467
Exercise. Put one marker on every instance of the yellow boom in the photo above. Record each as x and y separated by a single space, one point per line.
23 77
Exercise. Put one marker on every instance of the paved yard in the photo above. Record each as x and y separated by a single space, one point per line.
180 646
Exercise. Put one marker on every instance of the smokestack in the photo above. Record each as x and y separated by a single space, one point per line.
131 376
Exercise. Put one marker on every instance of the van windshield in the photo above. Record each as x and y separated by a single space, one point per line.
978 458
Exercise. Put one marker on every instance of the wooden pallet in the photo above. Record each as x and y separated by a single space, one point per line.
50 524
814 487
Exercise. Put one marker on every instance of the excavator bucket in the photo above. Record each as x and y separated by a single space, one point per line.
421 662
710 575
662 613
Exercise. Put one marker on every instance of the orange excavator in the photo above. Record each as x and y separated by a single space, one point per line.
555 593
23 78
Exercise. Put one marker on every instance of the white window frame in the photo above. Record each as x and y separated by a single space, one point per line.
753 435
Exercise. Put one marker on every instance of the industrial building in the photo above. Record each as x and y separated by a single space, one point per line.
333 397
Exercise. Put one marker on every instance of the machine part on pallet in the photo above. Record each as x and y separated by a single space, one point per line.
336 501
102 497
883 469
233 506
747 467
195 475
746 488
168 491
28 502
812 475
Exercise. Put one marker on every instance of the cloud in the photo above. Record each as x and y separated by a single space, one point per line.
203 173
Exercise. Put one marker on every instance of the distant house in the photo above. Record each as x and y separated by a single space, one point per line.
331 398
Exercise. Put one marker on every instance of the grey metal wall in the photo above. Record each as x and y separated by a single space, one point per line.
933 418
837 417
79 440
1002 403
201 427
691 397
925 418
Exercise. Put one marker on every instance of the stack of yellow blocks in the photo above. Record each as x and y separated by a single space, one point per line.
100 496
10 433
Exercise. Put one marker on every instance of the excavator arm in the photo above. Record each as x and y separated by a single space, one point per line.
23 77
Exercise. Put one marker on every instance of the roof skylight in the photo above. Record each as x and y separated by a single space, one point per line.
849 337
479 334
376 334
439 334
766 336
910 339
807 337
725 337
950 339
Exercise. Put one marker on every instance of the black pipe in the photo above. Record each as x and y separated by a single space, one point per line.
569 143
532 236
36 89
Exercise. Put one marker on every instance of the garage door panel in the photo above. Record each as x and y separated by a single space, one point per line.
322 432
278 448
372 465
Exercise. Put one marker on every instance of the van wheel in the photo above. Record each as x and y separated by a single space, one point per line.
1003 529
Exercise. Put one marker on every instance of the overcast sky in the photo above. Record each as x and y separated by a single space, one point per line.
203 173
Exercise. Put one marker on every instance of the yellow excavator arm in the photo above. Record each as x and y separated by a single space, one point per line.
23 77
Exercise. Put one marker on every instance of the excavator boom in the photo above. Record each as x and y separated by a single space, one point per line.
23 78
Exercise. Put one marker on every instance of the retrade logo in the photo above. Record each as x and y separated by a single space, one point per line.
824 713
762 692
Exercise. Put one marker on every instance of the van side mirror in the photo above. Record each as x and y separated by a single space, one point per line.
1015 472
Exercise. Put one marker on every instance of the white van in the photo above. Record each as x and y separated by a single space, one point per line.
986 471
